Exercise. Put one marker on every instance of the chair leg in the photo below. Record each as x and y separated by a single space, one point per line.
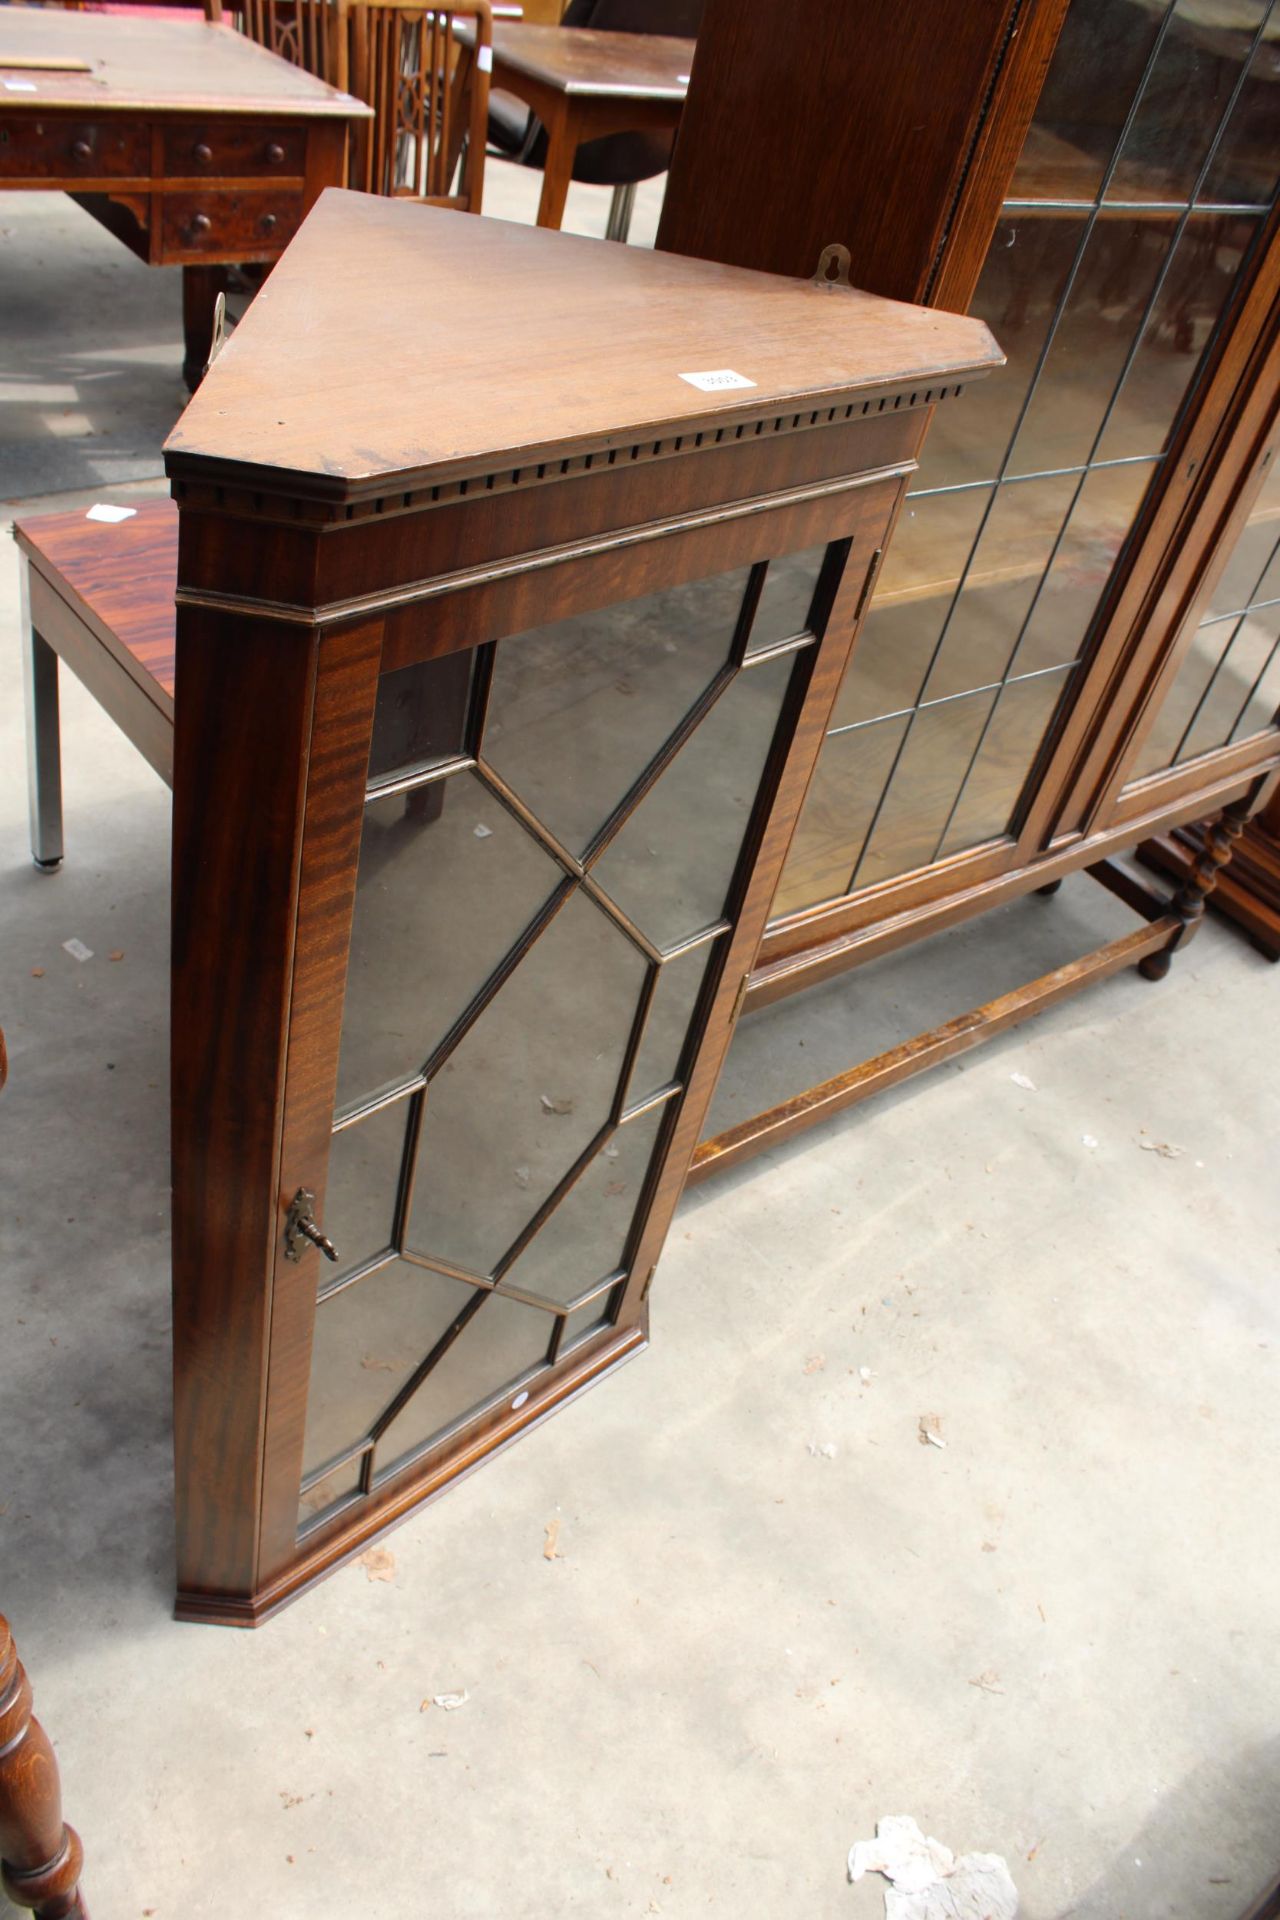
621 207
40 1858
44 751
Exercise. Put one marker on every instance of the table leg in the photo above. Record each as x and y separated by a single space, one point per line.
44 750
200 289
40 1858
562 148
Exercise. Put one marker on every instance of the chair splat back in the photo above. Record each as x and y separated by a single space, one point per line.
429 91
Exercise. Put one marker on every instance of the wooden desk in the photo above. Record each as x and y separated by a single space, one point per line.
193 146
583 85
497 687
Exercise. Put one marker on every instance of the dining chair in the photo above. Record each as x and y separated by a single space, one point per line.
427 137
305 32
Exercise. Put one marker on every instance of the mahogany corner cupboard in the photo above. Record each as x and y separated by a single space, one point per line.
1074 642
500 678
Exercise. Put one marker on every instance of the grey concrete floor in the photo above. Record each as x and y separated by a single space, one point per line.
774 1616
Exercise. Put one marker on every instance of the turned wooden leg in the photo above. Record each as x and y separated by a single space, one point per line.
1050 887
1187 905
40 1858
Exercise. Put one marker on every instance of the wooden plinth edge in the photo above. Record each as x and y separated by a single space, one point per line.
254 1610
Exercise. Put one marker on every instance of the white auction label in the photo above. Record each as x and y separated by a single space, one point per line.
111 515
20 86
715 382
484 59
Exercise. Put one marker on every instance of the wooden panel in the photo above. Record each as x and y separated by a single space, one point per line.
212 223
435 395
196 147
73 147
119 580
797 126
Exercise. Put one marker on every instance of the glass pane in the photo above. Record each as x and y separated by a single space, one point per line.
786 597
1018 293
1007 565
1264 702
1255 544
925 783
448 881
679 982
362 1186
1096 69
1082 567
1189 685
327 1494
588 1320
1117 275
670 880
1243 170
1200 280
577 710
838 809
585 1239
368 1340
505 1344
421 715
527 1089
1244 661
1005 759
1185 97
922 568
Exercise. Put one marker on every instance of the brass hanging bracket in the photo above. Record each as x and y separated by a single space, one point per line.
833 268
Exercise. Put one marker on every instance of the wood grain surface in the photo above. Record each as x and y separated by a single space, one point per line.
385 347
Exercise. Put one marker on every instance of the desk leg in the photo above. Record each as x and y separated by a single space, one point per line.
200 289
40 1858
44 749
562 149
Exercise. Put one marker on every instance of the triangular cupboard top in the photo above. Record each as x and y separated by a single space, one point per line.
396 344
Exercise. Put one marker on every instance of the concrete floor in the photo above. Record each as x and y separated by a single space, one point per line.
775 1615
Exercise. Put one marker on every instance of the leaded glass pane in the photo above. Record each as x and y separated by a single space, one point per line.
853 768
526 1091
674 996
503 1348
447 883
674 880
319 1500
362 1186
922 569
578 709
1264 701
1186 95
1243 170
585 1239
925 783
1190 684
587 1321
1096 71
1242 582
1100 520
421 715
368 1339
1005 759
786 597
1245 660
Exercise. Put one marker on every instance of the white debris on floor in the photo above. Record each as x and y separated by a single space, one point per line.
927 1882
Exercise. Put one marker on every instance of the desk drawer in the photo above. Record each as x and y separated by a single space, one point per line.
232 225
60 146
193 148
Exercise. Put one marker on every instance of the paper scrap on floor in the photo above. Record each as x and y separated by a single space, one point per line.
927 1882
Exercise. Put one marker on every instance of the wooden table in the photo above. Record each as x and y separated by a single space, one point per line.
583 85
193 146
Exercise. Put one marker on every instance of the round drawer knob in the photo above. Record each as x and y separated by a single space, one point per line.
81 150
201 223
203 155
275 155
267 224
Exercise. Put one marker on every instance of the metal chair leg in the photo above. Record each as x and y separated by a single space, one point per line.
621 207
44 751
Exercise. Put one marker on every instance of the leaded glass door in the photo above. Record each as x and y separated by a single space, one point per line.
557 829
1136 216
